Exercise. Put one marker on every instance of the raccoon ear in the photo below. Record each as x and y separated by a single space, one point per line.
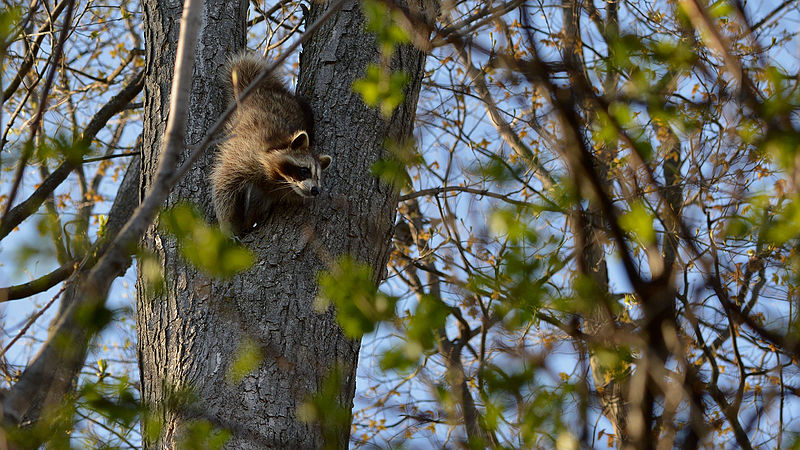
324 161
300 140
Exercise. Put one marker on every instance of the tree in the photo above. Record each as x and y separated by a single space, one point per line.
595 245
195 330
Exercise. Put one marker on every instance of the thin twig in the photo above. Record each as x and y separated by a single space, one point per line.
112 156
33 319
16 215
443 189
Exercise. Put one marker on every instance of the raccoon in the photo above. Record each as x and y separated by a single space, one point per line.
267 159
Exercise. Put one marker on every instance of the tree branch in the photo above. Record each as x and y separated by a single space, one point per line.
22 211
443 189
38 285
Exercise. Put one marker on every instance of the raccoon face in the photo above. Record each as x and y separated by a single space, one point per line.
301 170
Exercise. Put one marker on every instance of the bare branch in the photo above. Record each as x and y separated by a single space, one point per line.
443 189
38 285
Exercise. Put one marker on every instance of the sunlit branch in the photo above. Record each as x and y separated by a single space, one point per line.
57 233
480 192
38 285
110 156
770 15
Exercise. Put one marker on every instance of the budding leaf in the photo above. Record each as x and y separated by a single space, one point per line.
207 247
382 88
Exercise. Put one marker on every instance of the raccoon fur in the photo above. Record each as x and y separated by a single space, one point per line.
267 159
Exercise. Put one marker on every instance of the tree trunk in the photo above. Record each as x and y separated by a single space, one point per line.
191 332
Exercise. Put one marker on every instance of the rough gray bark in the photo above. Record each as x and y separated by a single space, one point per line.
189 333
162 318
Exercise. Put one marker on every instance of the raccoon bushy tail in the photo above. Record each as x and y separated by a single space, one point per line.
243 68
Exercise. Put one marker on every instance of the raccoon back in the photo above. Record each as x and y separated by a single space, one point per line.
271 111
242 69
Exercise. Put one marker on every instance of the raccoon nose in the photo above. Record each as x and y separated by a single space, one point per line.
314 191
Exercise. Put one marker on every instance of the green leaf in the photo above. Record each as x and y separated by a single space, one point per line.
605 132
92 317
397 359
783 146
349 286
385 26
382 88
677 54
785 225
639 221
430 315
392 172
62 147
8 18
721 8
202 434
507 222
622 48
324 408
150 269
625 117
248 358
613 363
114 400
738 227
207 247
